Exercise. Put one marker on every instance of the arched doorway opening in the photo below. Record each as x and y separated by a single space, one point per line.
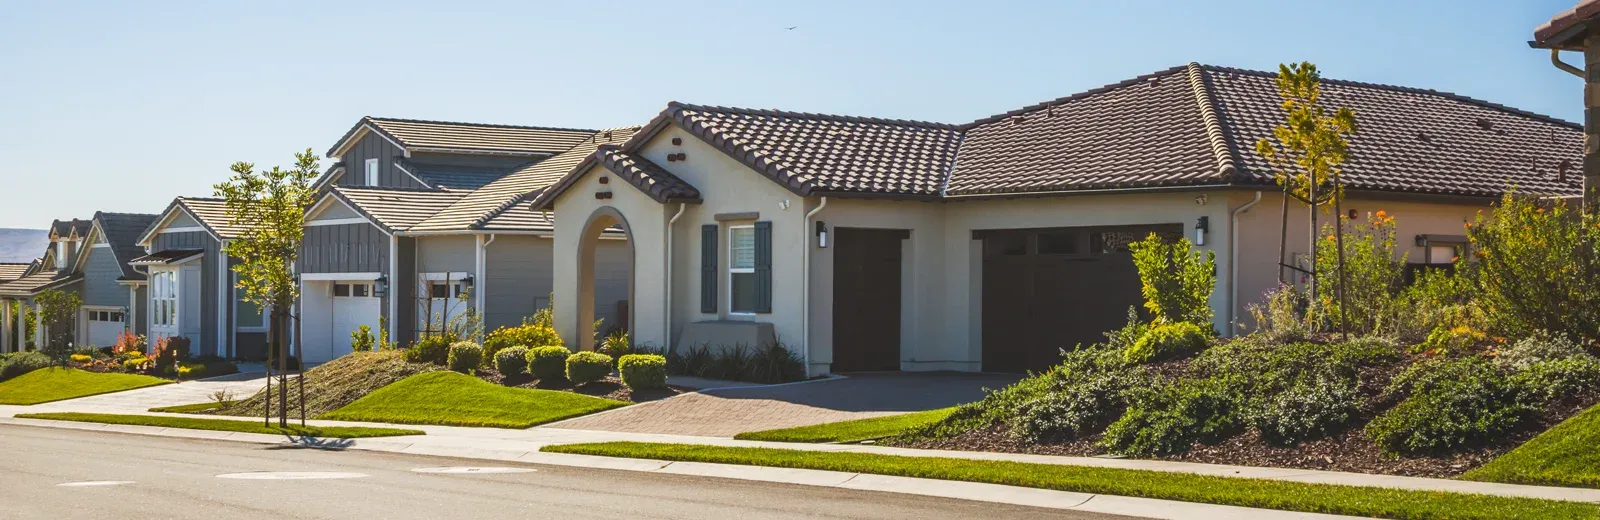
605 278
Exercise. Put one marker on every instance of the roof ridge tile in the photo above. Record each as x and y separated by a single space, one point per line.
1207 105
482 125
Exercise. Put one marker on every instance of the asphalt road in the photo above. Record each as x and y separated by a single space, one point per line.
178 478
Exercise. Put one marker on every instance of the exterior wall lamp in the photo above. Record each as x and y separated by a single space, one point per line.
822 234
380 286
1200 228
467 281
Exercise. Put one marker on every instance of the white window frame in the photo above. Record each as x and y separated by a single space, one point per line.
738 270
165 295
371 172
266 311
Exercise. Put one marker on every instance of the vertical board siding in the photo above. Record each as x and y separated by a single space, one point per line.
373 146
100 274
208 280
347 248
519 279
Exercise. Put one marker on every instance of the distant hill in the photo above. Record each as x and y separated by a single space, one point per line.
22 245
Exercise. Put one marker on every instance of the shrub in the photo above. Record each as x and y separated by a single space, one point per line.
616 344
533 332
82 358
729 363
1372 271
191 370
1435 299
361 339
1534 268
1175 280
1558 379
1072 400
774 364
1312 408
512 361
136 364
1539 347
691 361
1173 416
1165 341
587 367
548 363
430 349
22 363
128 343
1450 405
643 371
1455 340
1279 317
465 356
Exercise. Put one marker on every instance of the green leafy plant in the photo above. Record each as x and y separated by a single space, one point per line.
1278 318
587 367
1313 407
1455 340
1451 404
1176 281
512 361
1173 416
361 339
548 362
465 356
694 360
1372 275
1560 379
430 349
58 311
1535 267
1163 341
533 332
1539 347
22 363
773 364
643 371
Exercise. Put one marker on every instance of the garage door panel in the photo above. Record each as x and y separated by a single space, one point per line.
866 299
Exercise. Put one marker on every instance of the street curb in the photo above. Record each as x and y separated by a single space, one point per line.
972 491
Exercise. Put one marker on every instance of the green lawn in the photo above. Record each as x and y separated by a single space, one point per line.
223 425
187 408
850 431
1267 494
452 399
54 384
1567 455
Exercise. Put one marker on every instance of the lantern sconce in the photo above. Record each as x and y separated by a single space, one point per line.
1200 228
822 234
467 281
380 286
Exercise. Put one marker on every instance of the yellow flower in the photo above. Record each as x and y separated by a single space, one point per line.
1382 214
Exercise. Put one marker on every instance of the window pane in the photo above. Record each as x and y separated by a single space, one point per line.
742 248
116 316
1006 245
359 290
1058 243
743 286
440 291
249 314
341 290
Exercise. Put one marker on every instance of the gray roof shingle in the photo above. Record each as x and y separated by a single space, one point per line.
470 137
397 209
12 271
453 176
122 232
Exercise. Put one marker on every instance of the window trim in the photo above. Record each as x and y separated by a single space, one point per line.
731 270
371 172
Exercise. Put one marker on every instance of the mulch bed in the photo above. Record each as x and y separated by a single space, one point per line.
609 388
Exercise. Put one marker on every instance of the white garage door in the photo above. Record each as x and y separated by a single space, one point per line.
354 305
104 327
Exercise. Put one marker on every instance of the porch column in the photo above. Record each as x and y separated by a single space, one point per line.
1591 120
22 326
38 326
5 325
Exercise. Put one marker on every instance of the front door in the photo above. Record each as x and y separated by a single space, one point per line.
866 299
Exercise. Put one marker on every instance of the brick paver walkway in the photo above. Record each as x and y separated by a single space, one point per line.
730 411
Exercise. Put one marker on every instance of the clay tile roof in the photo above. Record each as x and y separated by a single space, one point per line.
816 153
475 137
397 209
647 176
484 206
1565 30
1197 125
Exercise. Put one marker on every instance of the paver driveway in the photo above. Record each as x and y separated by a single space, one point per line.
241 385
727 412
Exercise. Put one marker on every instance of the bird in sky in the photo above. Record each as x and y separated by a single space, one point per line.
791 28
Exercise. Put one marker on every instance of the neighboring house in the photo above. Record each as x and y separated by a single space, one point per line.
54 270
874 244
417 213
113 292
191 287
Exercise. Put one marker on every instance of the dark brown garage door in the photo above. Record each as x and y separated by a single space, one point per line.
1045 290
866 299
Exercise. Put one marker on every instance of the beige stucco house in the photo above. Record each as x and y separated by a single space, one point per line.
872 244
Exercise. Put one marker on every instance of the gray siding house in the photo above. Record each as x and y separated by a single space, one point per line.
419 221
190 285
54 270
113 292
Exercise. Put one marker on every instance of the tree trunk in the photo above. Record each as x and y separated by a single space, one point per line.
1311 218
1344 280
1283 236
283 367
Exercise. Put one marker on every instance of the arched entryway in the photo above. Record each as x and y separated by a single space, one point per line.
605 263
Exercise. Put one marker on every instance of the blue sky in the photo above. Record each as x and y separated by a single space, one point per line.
122 106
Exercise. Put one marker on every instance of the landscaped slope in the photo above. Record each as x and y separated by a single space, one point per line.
1567 455
55 384
335 384
452 399
851 431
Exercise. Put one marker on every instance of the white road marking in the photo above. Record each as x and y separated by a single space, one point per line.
469 469
291 475
88 483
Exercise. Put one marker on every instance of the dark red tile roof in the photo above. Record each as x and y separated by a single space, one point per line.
646 175
1564 30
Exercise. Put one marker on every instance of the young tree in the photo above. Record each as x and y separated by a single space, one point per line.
1306 153
58 311
271 207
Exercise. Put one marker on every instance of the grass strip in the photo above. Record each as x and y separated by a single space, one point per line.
452 399
850 431
1245 492
55 384
187 408
1566 455
223 425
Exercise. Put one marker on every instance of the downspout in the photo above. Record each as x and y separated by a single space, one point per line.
480 283
805 284
394 286
223 307
667 305
1233 262
1555 59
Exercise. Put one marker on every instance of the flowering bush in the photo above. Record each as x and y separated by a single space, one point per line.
1371 278
1536 269
128 343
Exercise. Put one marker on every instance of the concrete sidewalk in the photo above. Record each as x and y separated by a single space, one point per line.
505 444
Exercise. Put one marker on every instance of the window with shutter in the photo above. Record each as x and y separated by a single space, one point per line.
708 268
743 291
763 267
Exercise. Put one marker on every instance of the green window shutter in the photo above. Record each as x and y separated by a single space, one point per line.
708 268
764 267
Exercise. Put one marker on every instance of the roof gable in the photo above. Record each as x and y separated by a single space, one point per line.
468 138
